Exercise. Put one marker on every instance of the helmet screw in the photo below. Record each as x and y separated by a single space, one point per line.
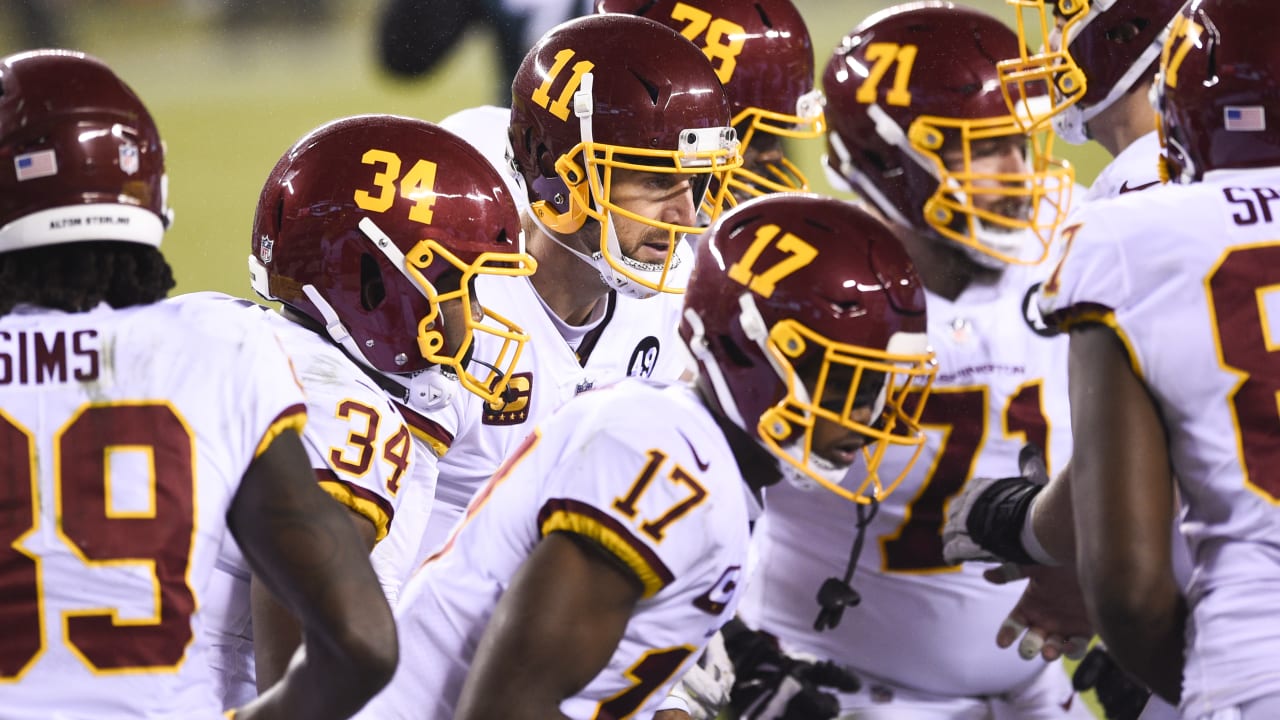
368 343
401 358
558 199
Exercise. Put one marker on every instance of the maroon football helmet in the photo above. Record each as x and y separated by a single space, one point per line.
368 223
1109 46
607 92
916 85
762 53
80 156
1218 92
795 300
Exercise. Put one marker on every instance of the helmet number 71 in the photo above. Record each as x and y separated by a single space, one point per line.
882 55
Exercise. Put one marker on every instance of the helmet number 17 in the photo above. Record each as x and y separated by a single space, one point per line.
800 254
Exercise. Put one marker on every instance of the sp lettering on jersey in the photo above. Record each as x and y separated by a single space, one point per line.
513 407
644 359
715 600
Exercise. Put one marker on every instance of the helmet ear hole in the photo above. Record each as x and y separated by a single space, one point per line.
279 217
372 289
546 162
1126 32
734 353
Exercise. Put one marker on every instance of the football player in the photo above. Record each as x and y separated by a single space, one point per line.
612 151
594 565
1092 79
762 53
138 432
1097 67
1159 413
918 126
377 294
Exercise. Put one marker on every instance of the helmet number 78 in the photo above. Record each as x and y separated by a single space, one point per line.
724 38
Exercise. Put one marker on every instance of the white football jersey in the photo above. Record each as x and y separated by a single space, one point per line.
430 406
644 472
636 338
1136 168
923 624
363 455
1188 276
126 435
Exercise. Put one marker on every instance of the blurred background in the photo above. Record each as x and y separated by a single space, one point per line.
233 83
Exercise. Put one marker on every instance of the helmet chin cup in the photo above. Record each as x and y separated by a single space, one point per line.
623 284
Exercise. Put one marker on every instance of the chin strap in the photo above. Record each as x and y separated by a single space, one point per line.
836 594
608 276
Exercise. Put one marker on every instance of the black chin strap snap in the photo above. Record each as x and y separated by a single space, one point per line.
836 594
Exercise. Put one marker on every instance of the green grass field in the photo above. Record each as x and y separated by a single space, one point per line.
230 106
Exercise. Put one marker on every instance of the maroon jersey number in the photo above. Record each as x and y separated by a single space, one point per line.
961 414
157 537
649 673
1246 349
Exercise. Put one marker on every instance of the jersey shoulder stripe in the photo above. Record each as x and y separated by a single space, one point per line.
361 501
292 418
568 515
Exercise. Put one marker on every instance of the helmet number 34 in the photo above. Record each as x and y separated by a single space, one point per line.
417 185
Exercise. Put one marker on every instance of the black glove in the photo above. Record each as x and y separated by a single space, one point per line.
984 521
771 685
1121 697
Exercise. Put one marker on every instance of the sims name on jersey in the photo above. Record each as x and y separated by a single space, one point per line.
38 358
